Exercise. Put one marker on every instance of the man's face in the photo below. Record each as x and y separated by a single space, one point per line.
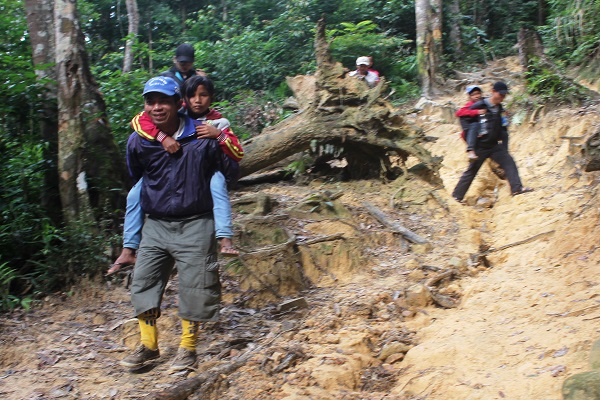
362 68
497 97
161 108
184 66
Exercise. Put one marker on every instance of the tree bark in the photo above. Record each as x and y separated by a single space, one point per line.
428 14
89 165
133 16
40 22
343 112
530 46
455 29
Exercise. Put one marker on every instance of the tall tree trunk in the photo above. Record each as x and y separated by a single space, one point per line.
530 46
541 20
133 16
428 15
40 22
455 29
183 14
150 60
437 48
89 165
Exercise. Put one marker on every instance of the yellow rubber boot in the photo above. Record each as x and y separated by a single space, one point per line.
148 329
189 334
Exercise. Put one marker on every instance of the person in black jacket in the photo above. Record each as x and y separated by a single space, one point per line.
489 146
179 228
183 64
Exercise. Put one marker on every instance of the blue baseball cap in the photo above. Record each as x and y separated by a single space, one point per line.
162 84
472 88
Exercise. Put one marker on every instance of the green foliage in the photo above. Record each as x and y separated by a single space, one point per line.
392 57
41 256
348 28
7 275
550 87
19 90
22 216
258 59
397 17
123 96
298 167
572 33
77 251
234 266
9 301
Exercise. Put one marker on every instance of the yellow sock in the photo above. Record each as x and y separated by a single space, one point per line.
148 330
189 333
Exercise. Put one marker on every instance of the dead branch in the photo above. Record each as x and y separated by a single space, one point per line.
520 242
327 238
434 280
266 177
442 300
268 250
439 199
394 226
534 115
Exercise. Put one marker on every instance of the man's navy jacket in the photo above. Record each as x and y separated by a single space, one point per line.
177 185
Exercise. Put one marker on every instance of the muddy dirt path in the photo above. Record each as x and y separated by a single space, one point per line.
524 322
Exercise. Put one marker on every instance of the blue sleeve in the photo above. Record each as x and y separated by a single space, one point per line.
134 166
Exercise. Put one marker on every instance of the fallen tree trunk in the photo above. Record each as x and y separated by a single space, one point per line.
344 113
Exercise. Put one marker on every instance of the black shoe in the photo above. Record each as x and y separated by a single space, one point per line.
523 190
139 357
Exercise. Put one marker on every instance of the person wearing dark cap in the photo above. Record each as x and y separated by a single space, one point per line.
183 67
489 146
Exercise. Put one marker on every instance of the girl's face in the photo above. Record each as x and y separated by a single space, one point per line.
199 102
475 96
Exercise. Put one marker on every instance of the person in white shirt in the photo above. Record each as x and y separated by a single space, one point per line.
362 72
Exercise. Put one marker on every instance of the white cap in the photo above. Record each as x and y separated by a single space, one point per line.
363 61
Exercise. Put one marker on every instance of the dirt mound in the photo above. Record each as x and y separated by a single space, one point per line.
377 325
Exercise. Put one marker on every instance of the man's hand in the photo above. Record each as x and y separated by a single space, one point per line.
171 145
206 131
482 111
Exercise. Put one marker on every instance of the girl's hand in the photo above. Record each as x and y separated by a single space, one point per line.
171 145
206 131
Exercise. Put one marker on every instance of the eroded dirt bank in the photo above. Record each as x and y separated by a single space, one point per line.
524 323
